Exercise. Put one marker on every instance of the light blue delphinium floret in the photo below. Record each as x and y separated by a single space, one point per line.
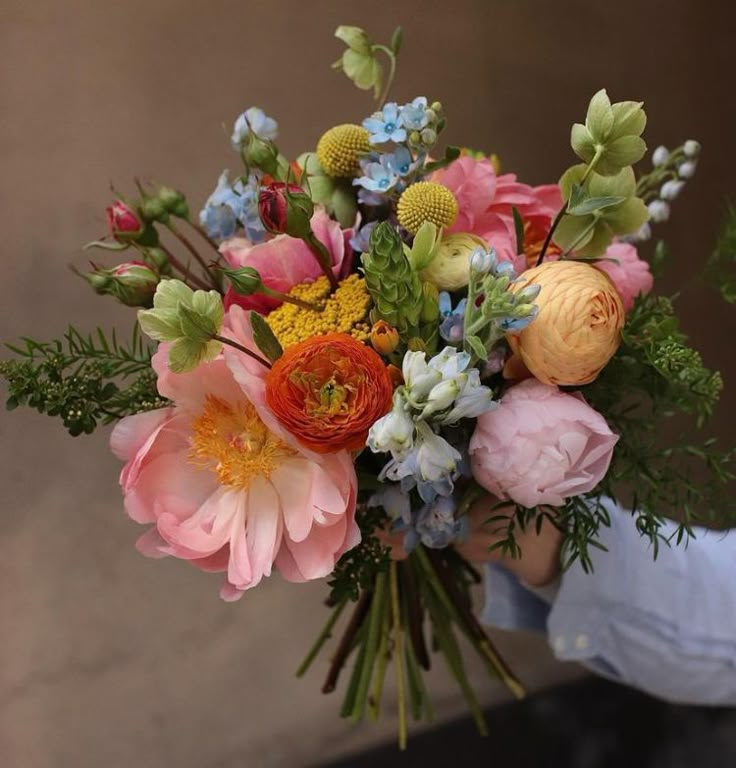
435 525
254 120
451 327
415 115
360 241
386 125
231 205
378 176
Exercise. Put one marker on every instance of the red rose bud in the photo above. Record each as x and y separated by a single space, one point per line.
286 209
133 283
123 221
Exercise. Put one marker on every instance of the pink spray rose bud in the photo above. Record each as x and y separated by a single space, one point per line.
132 283
540 446
629 273
286 209
123 221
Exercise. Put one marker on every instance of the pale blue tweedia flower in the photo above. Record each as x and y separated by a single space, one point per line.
451 327
254 120
414 115
401 161
378 176
386 125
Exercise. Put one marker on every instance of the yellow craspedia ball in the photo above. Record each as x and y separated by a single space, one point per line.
426 201
578 328
340 148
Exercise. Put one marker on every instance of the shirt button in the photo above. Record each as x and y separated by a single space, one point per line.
582 642
559 644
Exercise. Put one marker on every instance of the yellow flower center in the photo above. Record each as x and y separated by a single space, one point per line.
232 441
345 311
340 149
426 201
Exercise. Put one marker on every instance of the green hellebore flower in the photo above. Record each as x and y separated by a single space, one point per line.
590 234
612 134
186 318
359 61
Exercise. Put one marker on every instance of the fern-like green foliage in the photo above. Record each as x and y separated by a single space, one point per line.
83 379
656 471
721 269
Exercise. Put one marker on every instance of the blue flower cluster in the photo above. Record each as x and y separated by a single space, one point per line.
231 206
434 524
386 171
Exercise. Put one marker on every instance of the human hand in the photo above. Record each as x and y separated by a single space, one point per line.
539 563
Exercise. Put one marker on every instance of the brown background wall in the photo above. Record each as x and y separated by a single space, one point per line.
109 659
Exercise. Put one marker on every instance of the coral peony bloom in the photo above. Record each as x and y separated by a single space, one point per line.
628 272
578 328
227 491
328 391
285 261
540 446
486 201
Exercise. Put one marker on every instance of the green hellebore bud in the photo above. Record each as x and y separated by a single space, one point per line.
189 319
611 136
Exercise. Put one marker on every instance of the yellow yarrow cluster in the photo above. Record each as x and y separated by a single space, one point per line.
426 201
345 311
340 149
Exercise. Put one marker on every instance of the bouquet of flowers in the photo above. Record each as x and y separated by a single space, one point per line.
353 347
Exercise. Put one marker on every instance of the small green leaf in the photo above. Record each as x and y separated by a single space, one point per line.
477 346
265 338
396 40
519 227
592 204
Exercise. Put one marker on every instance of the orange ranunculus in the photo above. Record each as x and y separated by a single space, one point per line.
328 391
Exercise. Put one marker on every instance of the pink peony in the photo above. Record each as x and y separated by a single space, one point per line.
629 273
228 490
285 261
486 201
540 446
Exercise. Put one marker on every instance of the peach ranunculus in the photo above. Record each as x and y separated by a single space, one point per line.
228 491
578 328
486 201
629 273
285 261
540 446
328 391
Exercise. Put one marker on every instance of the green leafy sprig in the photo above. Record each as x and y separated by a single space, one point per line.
83 379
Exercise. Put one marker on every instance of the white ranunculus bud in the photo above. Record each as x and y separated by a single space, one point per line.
660 156
659 211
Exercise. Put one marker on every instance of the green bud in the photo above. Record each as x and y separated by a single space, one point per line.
132 283
158 259
153 209
430 304
244 280
173 201
262 154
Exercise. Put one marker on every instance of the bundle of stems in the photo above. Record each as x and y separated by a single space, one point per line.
425 597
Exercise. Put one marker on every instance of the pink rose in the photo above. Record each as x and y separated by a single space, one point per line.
227 489
540 446
629 273
285 261
486 202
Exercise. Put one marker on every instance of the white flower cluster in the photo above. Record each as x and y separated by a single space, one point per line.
434 394
676 167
